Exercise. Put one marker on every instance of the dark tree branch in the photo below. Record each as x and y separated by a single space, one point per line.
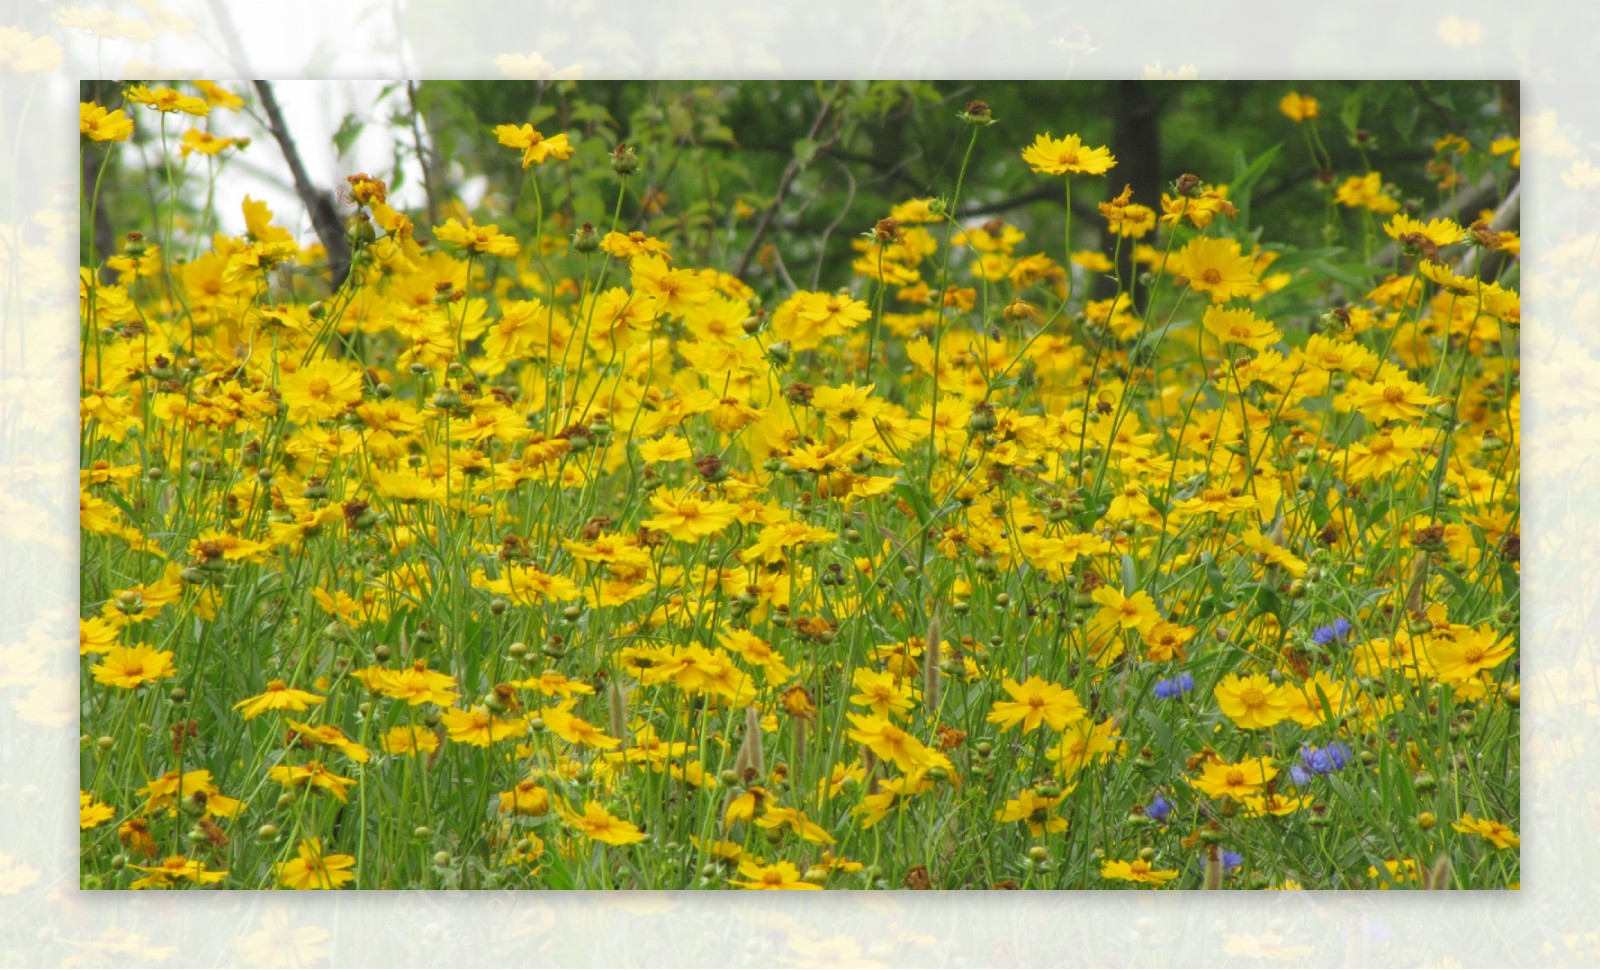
790 173
324 216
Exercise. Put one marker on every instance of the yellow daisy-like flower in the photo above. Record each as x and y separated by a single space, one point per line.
168 100
779 875
320 391
1217 267
482 239
311 869
1254 701
128 667
1498 833
536 148
1298 107
1137 870
1244 779
1240 326
598 824
1035 702
1067 156
278 696
98 124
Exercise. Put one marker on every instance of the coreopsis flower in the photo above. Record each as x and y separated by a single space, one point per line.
1460 654
481 728
667 448
98 124
1254 701
218 96
886 694
312 869
481 239
194 787
1365 191
331 736
91 813
536 148
194 140
167 100
174 868
1497 833
568 726
278 696
1299 107
1218 268
1067 156
128 667
1136 870
1436 232
526 797
1391 396
24 53
1034 810
408 739
778 875
1036 702
600 825
1125 217
688 517
1237 781
1136 612
675 292
321 390
1389 451
889 742
312 775
1240 326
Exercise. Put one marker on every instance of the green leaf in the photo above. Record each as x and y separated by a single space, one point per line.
805 150
1245 178
915 499
1350 112
349 130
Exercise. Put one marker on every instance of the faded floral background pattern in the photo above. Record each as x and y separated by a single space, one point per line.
46 46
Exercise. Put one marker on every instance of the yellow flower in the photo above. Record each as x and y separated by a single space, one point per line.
172 869
1035 702
1067 156
526 797
128 667
1389 397
1137 870
1501 835
310 869
1439 232
168 100
1240 326
1298 107
483 239
1365 191
536 148
312 775
891 743
90 812
1136 612
1217 267
480 728
97 124
665 449
320 391
779 875
598 824
882 691
1237 781
1459 655
687 517
1254 701
1033 809
407 739
278 696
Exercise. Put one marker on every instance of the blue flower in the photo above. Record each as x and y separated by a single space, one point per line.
1319 761
1337 630
1158 809
1175 687
1231 860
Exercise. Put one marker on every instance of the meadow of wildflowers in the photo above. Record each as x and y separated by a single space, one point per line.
583 539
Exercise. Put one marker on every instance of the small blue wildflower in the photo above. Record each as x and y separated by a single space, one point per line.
1319 761
1174 687
1231 860
1337 630
1158 809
